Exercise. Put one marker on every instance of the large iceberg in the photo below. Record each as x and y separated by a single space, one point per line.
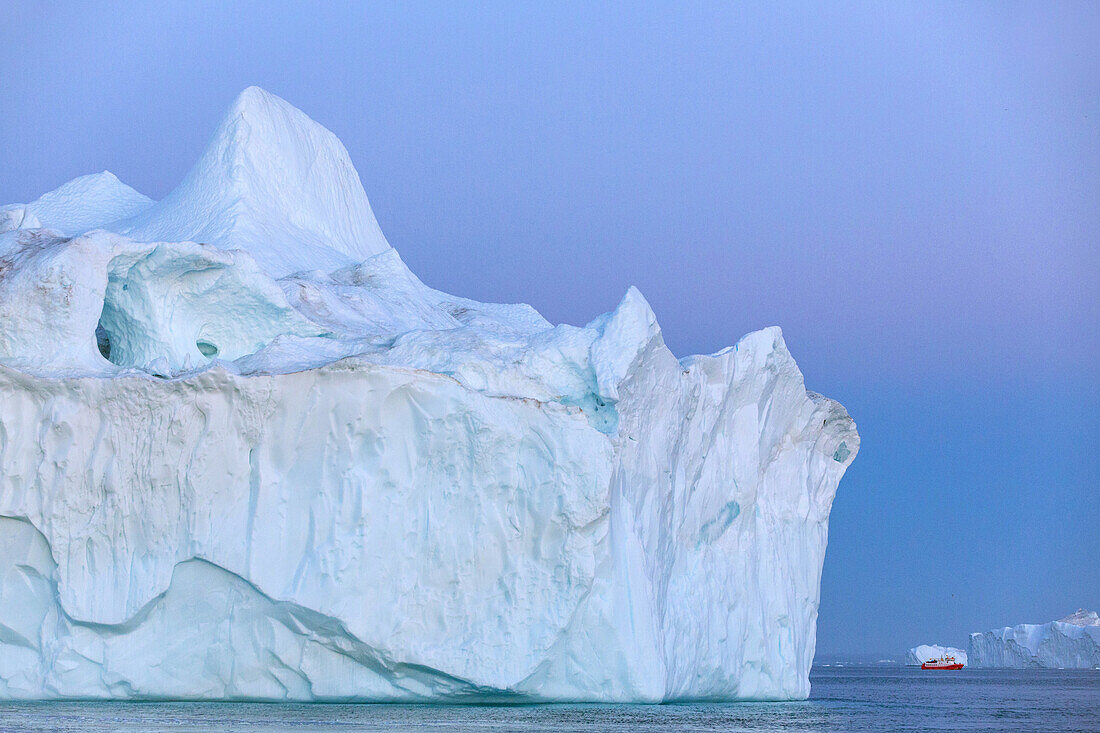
246 454
922 653
1069 643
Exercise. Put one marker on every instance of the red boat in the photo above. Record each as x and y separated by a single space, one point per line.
947 661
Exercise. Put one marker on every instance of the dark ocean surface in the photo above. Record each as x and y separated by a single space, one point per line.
844 698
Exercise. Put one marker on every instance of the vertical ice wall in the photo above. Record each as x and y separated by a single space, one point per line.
1070 643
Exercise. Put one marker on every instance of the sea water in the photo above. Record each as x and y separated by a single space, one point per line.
844 698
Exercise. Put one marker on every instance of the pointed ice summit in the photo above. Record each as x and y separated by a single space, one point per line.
274 183
246 454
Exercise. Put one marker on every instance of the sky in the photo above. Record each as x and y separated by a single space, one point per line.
910 190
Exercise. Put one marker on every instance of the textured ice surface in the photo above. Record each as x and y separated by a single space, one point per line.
1070 643
275 184
922 653
81 204
246 453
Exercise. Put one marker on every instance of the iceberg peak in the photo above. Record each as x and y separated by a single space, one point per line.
274 183
1082 618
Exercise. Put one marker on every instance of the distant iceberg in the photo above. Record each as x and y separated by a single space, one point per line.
1069 643
922 653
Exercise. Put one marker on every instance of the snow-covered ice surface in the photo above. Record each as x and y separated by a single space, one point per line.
922 653
273 183
246 453
1070 643
80 205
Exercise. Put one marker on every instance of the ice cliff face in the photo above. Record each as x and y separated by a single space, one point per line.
246 453
922 653
1071 643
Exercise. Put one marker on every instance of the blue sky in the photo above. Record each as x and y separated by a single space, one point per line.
911 190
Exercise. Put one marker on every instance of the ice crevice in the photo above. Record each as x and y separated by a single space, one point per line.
245 453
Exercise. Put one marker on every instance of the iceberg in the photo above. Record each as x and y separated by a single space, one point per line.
922 653
1069 643
245 453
